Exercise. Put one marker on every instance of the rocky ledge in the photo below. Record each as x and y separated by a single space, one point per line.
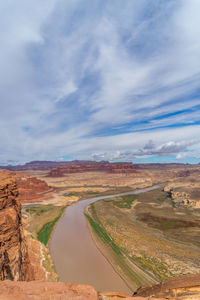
178 288
186 287
36 290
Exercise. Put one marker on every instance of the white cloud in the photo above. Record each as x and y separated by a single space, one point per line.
66 90
76 76
134 145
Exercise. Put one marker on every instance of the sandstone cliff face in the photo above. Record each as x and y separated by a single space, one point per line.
14 260
40 260
31 189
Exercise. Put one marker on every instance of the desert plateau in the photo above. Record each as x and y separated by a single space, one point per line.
134 229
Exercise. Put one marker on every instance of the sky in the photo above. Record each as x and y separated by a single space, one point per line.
115 80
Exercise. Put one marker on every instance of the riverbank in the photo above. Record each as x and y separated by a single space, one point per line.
40 220
132 274
45 233
140 232
75 255
39 223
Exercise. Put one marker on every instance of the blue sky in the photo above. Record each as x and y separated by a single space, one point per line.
102 79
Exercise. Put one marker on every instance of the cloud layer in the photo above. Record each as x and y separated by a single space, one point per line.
99 79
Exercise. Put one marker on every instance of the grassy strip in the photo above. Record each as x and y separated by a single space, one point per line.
101 232
38 210
152 265
132 277
124 202
85 195
173 204
44 234
162 198
69 194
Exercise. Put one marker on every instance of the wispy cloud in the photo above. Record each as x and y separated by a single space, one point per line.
81 77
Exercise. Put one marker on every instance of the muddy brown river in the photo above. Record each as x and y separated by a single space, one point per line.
76 257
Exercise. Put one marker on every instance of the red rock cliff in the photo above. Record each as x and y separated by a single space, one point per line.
91 166
31 189
14 260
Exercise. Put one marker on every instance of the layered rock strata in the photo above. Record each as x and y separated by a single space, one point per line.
31 189
14 260
92 167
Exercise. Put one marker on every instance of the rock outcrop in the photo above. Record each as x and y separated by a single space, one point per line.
40 261
180 288
185 193
14 260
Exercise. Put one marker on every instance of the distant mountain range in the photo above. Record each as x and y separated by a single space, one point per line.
48 165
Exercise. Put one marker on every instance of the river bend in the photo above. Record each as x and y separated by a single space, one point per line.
76 257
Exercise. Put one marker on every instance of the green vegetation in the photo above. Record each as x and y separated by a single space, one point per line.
173 204
153 265
159 245
119 256
41 220
124 202
69 194
44 234
92 192
171 223
162 198
101 232
38 210
39 216
161 223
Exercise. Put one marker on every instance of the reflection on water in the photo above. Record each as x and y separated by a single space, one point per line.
75 255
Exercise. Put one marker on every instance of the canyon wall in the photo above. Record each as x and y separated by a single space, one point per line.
14 260
31 189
